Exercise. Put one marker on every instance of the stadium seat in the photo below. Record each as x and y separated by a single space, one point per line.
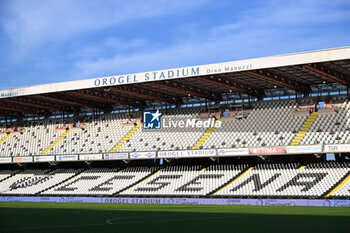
263 180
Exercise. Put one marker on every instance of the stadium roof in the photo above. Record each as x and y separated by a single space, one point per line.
252 77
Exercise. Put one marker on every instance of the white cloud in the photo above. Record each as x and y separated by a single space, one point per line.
273 28
31 23
118 43
109 45
290 15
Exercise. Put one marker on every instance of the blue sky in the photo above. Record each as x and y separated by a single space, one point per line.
47 41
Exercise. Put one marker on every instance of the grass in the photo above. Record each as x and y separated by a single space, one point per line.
101 218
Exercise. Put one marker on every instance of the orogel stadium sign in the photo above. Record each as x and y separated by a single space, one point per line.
153 120
149 76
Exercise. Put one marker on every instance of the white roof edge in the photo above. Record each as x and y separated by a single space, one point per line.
299 58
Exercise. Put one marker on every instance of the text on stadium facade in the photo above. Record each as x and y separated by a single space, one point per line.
185 72
166 74
149 76
308 149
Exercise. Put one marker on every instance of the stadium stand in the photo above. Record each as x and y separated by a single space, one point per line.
32 139
262 180
277 127
167 138
31 182
268 123
342 189
184 181
5 174
100 182
99 135
278 180
330 127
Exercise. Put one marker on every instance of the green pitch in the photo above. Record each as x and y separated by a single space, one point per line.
101 218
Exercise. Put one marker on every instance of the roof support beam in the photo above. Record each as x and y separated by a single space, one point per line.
65 101
276 79
16 109
101 98
128 91
33 105
230 85
167 96
180 88
192 86
327 73
4 113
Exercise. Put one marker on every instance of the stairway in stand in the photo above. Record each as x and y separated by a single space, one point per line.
63 136
205 136
304 129
124 140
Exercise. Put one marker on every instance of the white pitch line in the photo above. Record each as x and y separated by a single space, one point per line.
110 221
55 226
